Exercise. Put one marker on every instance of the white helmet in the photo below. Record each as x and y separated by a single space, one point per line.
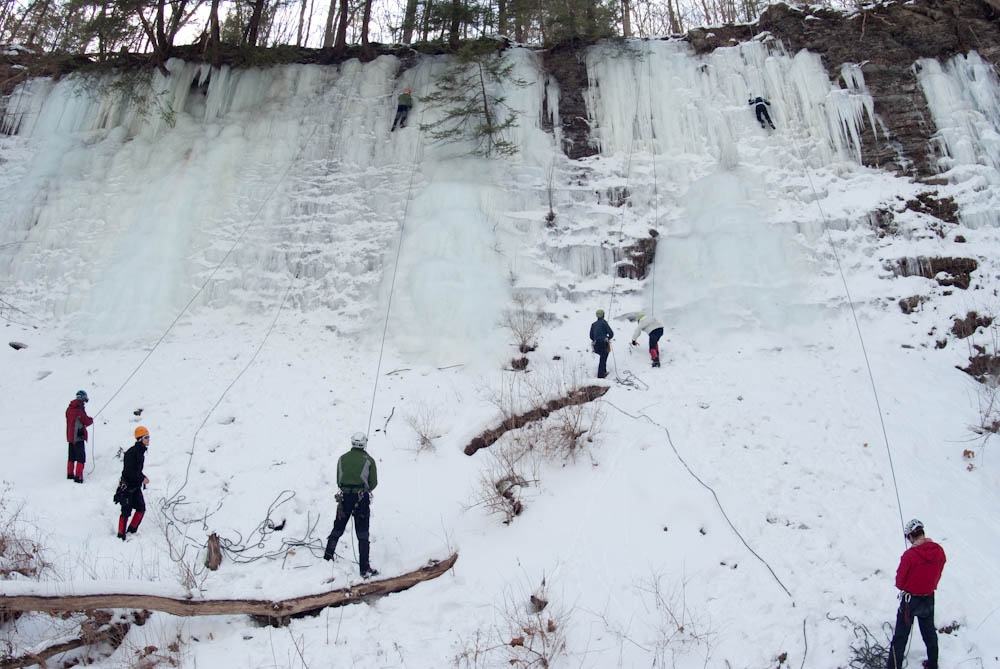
913 526
359 440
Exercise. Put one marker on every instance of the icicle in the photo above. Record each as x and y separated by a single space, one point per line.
964 99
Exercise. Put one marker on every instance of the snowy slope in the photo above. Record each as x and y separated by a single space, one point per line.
232 275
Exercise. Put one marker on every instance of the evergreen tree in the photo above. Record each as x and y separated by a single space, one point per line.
473 109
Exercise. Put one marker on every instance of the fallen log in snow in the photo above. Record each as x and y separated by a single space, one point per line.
277 611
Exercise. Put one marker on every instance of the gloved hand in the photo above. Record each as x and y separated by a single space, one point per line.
339 497
634 343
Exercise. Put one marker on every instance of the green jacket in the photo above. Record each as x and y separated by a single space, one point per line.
405 100
356 470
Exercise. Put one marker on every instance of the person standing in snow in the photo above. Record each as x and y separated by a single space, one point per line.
917 577
760 106
654 329
77 421
129 493
357 477
600 338
402 110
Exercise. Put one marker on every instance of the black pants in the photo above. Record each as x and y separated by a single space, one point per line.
132 500
763 116
357 504
654 343
921 608
402 111
78 451
602 347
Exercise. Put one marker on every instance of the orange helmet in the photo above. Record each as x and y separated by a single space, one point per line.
141 432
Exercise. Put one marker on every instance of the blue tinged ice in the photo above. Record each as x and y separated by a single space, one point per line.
963 96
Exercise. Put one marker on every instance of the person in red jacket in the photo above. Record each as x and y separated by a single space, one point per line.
917 577
77 421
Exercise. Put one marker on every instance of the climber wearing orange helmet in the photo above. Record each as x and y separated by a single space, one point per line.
129 493
402 110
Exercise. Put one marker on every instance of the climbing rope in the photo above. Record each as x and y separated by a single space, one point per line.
722 510
395 269
239 238
718 503
656 183
857 327
170 505
621 227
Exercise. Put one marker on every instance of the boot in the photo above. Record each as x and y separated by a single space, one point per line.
121 527
78 477
69 470
134 525
331 547
364 547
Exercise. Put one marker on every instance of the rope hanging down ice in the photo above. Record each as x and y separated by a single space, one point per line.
857 327
170 504
395 269
621 227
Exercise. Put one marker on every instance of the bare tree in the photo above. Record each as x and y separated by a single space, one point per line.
409 21
340 46
367 52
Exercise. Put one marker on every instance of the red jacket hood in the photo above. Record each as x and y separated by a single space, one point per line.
920 568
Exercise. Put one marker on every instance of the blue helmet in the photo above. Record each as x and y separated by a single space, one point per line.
82 395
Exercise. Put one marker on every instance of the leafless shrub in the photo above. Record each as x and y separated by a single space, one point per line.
988 387
526 635
524 320
20 553
574 426
157 644
509 470
191 572
552 394
678 631
423 420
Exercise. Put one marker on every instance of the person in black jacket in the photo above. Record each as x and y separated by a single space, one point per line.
130 487
760 106
600 336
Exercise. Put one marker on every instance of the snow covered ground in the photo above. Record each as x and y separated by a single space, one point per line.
226 262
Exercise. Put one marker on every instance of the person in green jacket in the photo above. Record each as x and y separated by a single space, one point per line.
402 110
356 478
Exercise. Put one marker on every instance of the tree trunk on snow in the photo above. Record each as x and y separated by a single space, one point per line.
277 612
253 28
426 27
456 23
409 21
302 23
36 26
502 17
367 52
214 57
114 634
340 48
626 18
328 30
